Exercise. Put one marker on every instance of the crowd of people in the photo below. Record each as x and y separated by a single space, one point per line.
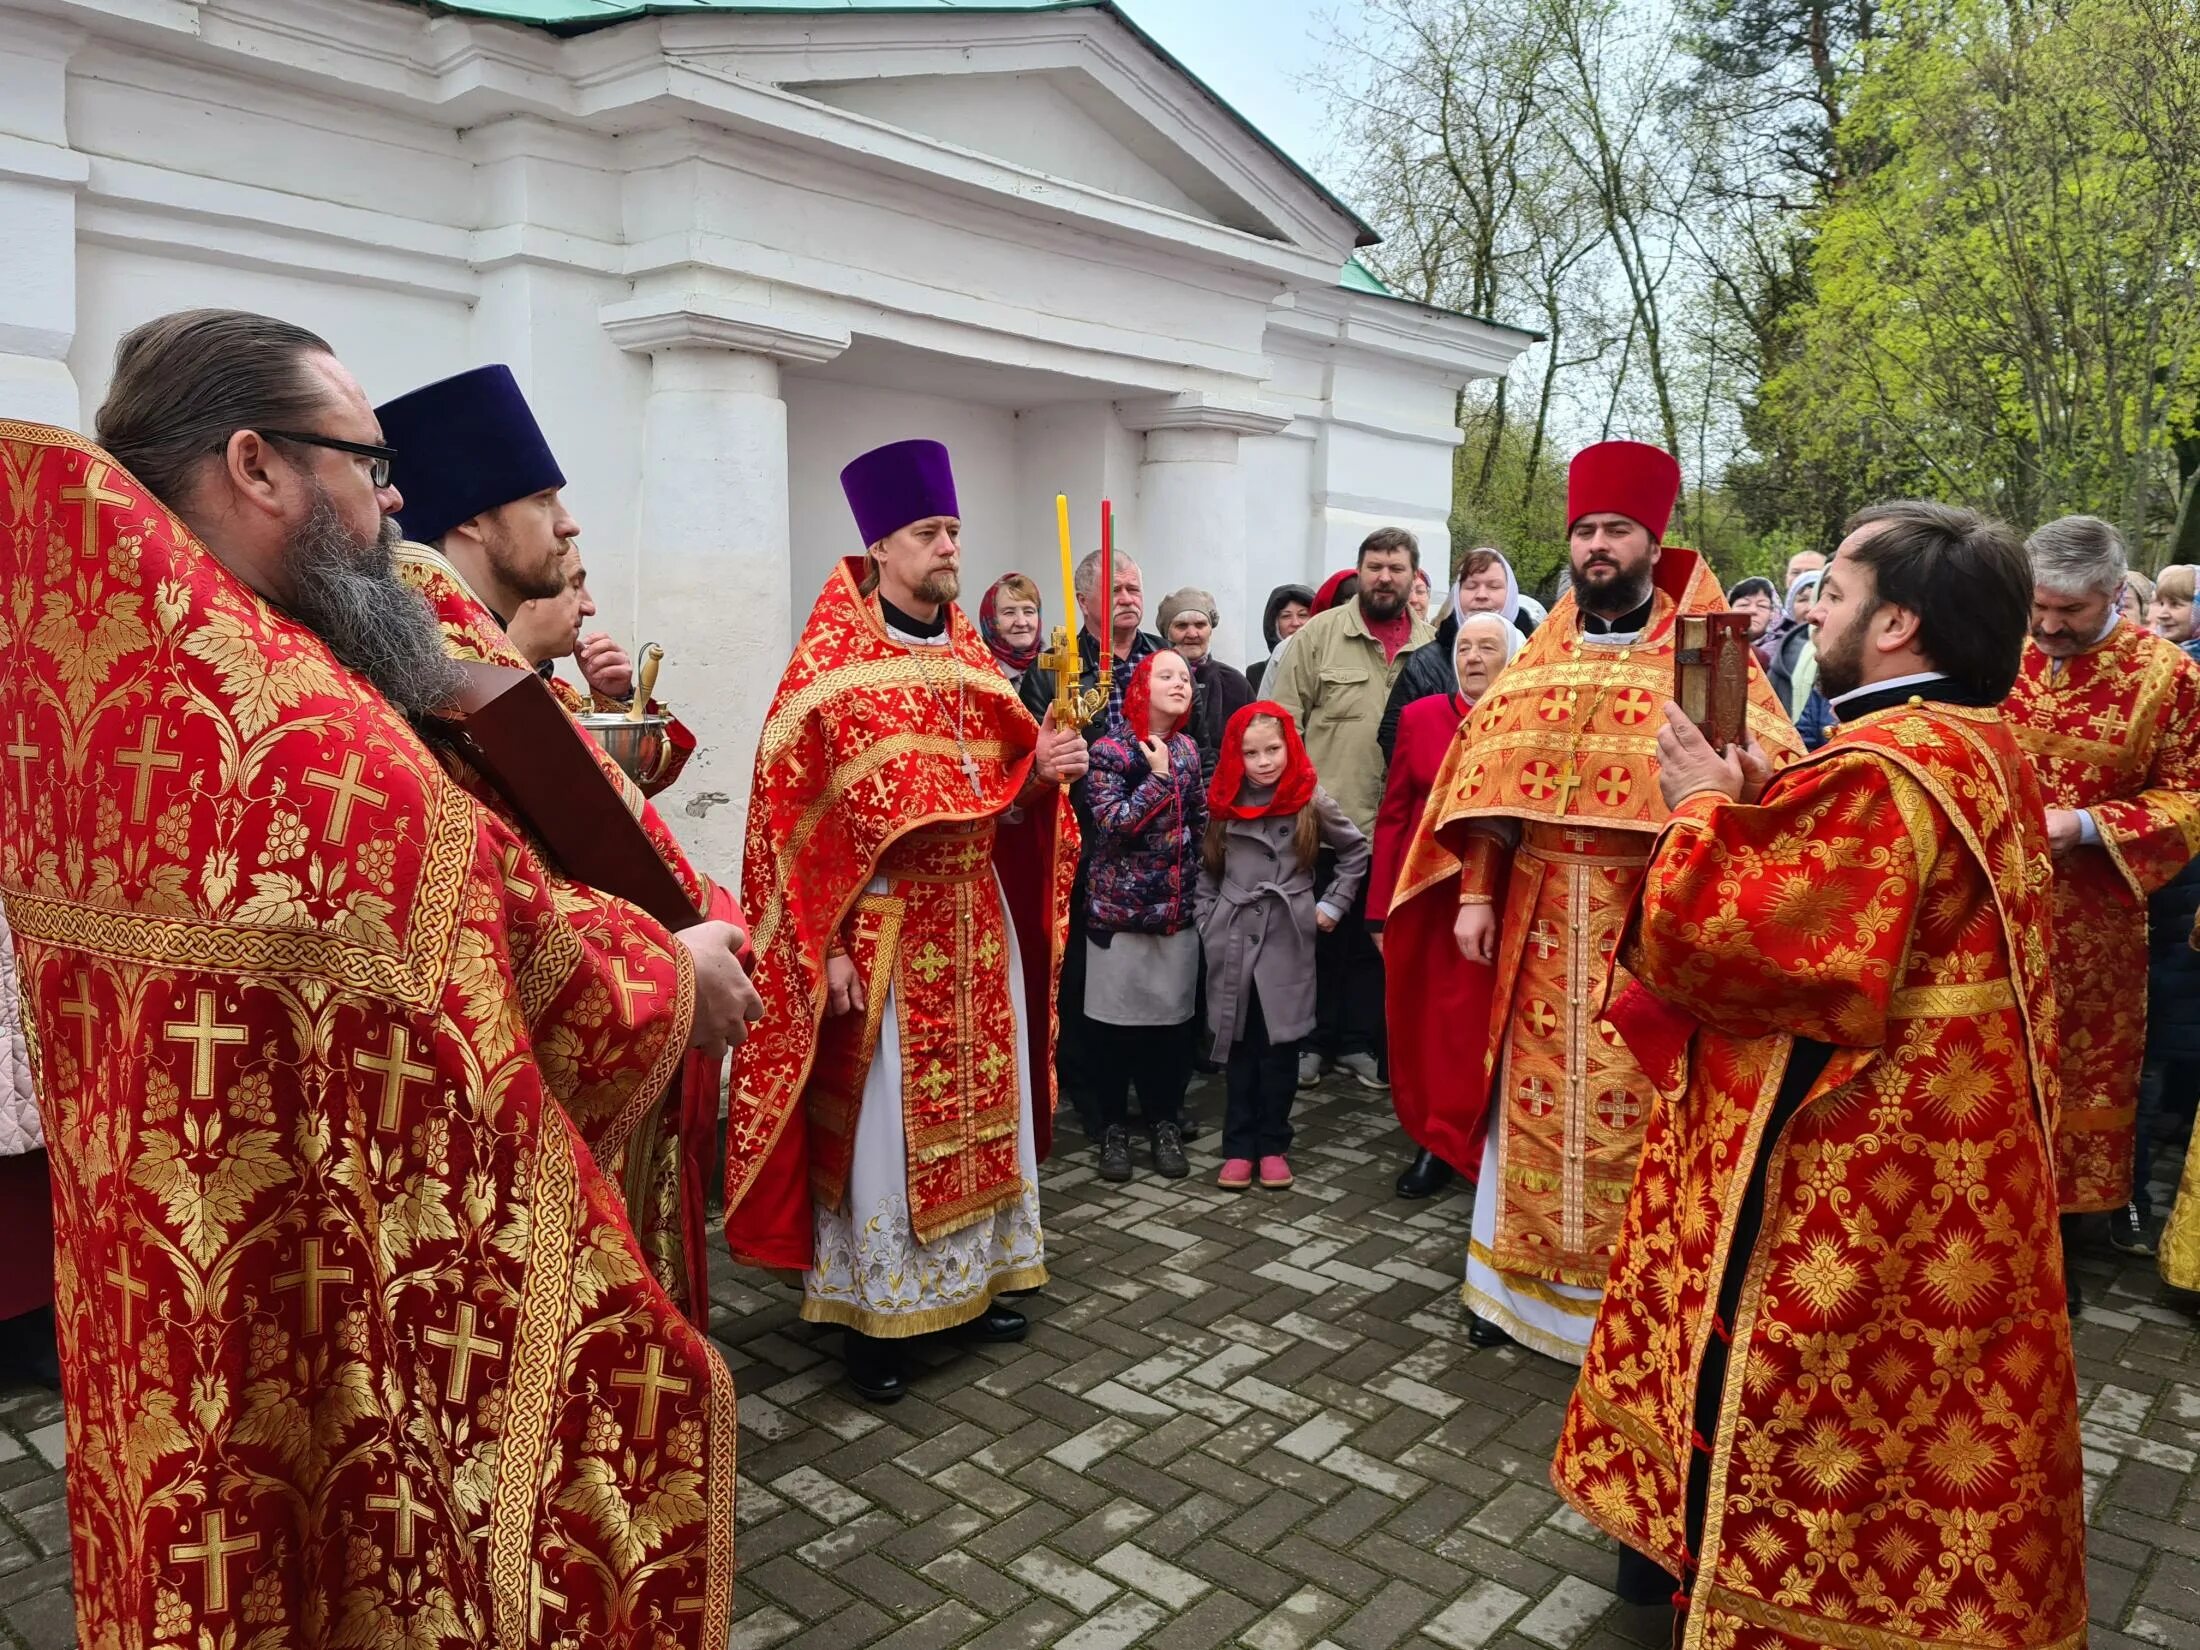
1784 1071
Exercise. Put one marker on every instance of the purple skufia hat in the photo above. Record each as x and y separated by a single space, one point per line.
891 486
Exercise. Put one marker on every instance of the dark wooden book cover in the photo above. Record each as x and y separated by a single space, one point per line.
519 738
1711 675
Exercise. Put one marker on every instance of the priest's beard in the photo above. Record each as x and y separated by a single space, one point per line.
941 586
1614 599
347 592
1841 660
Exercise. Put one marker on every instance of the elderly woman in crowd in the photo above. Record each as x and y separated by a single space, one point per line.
1486 584
1009 619
1437 1003
2169 615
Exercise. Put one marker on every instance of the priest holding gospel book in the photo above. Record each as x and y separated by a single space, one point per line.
487 529
1836 1305
1550 802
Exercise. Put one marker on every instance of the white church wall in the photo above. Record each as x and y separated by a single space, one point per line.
1078 448
830 422
391 341
1280 545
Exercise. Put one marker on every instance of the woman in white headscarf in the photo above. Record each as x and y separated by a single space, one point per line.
1485 585
1431 992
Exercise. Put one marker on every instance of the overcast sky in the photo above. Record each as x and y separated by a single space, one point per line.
1253 53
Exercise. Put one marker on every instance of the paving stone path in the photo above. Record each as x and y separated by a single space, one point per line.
1246 1419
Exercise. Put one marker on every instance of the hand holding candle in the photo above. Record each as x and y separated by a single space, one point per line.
1107 594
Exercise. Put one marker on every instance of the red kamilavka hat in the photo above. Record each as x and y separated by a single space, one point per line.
1628 478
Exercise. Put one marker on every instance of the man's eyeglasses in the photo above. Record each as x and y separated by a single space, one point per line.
378 471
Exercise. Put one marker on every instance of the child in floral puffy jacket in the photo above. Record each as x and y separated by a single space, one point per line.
1149 812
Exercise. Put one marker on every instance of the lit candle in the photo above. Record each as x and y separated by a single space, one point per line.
1069 583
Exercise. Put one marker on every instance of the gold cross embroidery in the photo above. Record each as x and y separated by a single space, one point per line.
652 1382
464 1345
929 964
409 1512
936 1081
539 1593
82 1010
21 753
92 495
133 1289
310 1276
213 1549
345 790
145 757
397 1070
629 988
203 1034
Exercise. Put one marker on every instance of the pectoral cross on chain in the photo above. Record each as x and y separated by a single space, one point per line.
970 772
1568 783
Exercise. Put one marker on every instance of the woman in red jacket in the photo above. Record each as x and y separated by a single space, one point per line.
1431 992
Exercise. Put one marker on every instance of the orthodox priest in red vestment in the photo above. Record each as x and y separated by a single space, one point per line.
2110 716
909 858
1831 1391
1550 808
478 478
357 1344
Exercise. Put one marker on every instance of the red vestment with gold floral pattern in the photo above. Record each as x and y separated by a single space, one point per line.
912 767
2116 732
659 1161
357 1344
1563 746
1894 1456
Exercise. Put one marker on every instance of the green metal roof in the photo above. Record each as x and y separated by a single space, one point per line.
581 16
1357 277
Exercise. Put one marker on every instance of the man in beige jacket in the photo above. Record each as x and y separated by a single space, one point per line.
1335 679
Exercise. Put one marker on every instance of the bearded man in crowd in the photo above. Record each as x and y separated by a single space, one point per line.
2110 716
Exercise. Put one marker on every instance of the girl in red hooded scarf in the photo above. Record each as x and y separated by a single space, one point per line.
1266 821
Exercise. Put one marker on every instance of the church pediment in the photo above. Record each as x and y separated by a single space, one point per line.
1063 123
1075 94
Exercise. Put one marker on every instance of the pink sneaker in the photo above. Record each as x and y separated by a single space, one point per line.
1236 1175
1275 1173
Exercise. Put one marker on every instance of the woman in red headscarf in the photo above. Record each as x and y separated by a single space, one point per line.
1010 620
1267 819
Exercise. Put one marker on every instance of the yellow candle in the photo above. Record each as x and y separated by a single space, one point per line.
1069 578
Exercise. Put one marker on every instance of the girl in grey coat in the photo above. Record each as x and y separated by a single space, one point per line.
1267 819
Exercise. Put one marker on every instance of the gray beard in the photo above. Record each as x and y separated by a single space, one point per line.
348 593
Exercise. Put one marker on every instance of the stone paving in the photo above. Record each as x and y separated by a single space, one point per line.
1245 1419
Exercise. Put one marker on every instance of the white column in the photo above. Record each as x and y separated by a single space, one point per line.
1191 509
39 179
713 541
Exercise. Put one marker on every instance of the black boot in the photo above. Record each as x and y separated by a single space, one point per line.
998 1323
1168 1152
1483 1334
874 1366
2127 1231
1115 1153
1429 1175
